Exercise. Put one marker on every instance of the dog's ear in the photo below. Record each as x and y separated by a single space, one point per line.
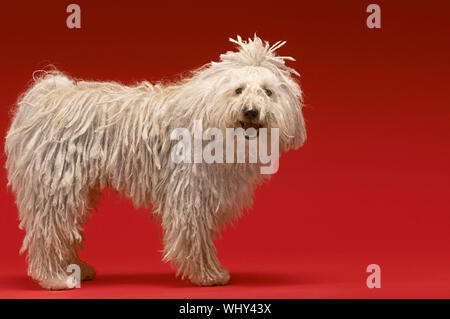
297 132
293 134
300 130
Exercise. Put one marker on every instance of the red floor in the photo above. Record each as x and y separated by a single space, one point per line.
370 186
314 277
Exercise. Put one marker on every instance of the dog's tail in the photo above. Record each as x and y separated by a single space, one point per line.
45 82
30 109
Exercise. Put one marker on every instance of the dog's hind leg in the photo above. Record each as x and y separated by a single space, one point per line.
53 234
188 244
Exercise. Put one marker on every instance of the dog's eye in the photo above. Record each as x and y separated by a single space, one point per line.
238 90
268 92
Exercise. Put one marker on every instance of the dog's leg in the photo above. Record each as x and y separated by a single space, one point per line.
53 234
188 244
49 255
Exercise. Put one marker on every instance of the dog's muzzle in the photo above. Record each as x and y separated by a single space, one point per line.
251 129
250 122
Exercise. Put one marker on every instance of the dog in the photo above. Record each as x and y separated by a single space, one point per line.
70 138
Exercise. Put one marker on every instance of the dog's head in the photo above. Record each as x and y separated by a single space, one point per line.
254 88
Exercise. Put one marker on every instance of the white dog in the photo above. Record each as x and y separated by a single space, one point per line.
69 139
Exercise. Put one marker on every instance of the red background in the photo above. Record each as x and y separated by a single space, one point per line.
371 185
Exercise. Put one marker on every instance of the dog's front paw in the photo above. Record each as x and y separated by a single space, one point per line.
219 280
58 284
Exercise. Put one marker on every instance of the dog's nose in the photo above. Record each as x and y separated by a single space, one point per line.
251 114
